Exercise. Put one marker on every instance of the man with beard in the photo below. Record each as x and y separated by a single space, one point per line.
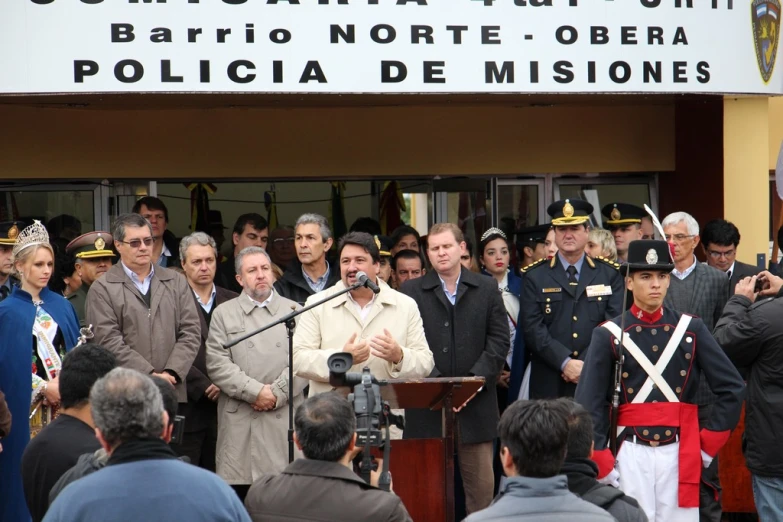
8 232
93 259
252 376
563 300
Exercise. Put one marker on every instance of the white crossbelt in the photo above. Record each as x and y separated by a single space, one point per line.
654 373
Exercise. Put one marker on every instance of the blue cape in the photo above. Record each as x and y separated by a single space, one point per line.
17 313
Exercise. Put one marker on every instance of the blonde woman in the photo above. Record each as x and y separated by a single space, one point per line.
600 243
37 326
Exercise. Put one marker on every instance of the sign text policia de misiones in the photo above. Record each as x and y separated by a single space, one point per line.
394 46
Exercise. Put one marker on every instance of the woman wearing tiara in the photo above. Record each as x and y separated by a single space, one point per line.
36 326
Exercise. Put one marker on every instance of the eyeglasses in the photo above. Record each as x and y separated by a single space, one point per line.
678 238
136 243
714 254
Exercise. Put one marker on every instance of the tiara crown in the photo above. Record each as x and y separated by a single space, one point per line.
35 234
493 231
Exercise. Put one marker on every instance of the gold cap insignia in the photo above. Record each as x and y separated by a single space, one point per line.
100 243
616 215
652 257
377 242
13 232
568 209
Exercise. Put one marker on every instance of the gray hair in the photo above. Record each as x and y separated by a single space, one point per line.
316 219
247 252
128 220
126 405
682 217
196 238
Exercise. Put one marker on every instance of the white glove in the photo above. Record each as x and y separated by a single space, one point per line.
613 478
706 460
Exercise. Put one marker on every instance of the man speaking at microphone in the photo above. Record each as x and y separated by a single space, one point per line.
380 327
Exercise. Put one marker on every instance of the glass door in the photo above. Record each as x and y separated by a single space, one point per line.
465 202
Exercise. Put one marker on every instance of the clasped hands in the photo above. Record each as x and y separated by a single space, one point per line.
266 400
383 346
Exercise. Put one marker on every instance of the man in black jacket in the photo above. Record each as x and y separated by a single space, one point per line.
325 431
466 328
750 332
582 471
313 273
720 239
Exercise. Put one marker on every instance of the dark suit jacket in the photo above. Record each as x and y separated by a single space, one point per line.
468 339
741 271
198 409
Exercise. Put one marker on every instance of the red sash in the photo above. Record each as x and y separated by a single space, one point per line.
686 417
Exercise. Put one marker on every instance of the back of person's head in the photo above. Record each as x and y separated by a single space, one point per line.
82 366
580 430
325 425
126 405
604 238
535 434
257 221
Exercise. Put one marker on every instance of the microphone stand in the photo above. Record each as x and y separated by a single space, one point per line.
290 323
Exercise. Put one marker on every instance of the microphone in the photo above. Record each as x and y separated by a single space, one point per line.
367 282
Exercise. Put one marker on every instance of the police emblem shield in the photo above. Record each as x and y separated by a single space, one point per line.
765 15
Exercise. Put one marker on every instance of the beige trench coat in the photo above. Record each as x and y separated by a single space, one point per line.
324 330
251 443
165 336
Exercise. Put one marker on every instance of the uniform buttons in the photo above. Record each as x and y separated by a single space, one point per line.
653 331
576 335
655 348
678 389
600 299
687 356
630 390
654 444
657 437
625 375
445 349
683 373
638 329
576 318
667 328
446 323
668 433
654 402
548 299
646 432
689 339
576 353
616 341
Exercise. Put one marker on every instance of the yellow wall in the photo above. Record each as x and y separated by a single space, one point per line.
746 128
333 142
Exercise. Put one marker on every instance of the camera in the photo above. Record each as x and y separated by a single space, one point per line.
759 284
372 412
178 432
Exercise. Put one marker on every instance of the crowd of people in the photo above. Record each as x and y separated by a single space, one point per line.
614 366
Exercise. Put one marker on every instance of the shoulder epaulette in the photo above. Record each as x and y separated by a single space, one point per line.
609 262
531 265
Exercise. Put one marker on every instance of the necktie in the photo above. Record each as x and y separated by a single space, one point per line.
3 292
728 272
572 275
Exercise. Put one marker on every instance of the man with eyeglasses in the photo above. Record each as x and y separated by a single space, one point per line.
720 239
700 290
143 313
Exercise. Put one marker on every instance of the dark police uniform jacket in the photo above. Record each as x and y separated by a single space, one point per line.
558 319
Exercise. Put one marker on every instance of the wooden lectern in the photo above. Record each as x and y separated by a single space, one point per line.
423 469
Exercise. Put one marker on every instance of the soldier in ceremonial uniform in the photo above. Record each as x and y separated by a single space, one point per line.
93 258
665 354
563 299
624 221
9 230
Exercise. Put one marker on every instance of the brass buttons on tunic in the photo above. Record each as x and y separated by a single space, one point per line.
667 328
576 335
630 390
625 375
655 348
668 433
656 436
638 329
687 356
683 373
576 318
653 331
646 432
654 444
689 339
678 389
600 298
576 353
548 299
